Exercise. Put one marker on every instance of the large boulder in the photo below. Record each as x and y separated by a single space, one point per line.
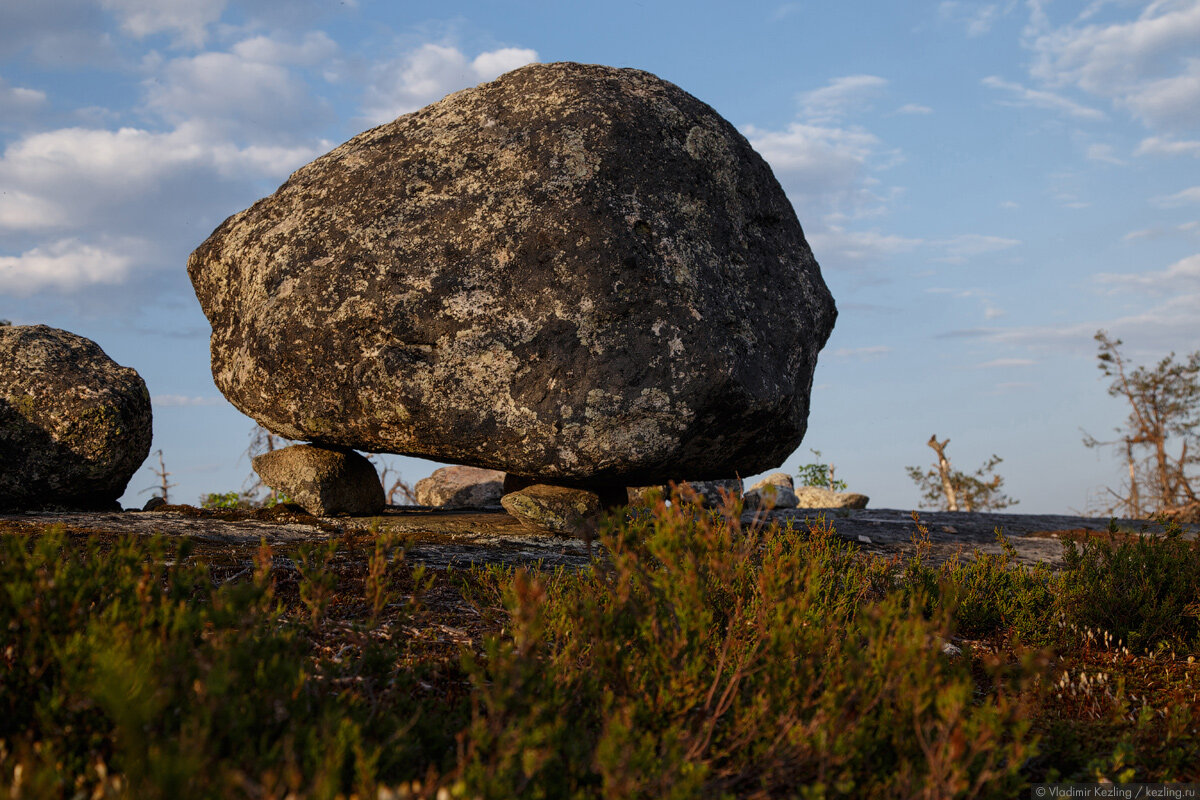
576 274
460 487
74 424
819 497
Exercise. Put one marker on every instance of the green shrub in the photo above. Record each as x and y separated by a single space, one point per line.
1143 590
714 660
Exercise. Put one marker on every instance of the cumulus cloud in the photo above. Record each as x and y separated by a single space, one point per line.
976 18
1024 97
66 264
188 20
314 48
1146 65
17 99
841 97
964 247
430 72
914 108
1167 146
55 32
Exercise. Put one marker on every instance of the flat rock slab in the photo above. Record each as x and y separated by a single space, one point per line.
444 539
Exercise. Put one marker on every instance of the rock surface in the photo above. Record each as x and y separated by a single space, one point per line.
74 425
775 490
557 274
324 481
556 509
817 497
460 487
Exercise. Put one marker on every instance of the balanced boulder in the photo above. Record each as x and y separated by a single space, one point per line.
323 481
577 274
460 487
74 425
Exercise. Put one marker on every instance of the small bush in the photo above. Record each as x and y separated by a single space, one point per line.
1144 590
714 660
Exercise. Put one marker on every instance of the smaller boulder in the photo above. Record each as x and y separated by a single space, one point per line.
776 490
554 509
323 481
154 503
461 487
818 497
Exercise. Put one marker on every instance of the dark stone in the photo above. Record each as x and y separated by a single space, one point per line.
577 274
74 425
323 481
154 503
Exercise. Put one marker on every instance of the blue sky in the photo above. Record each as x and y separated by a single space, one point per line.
984 185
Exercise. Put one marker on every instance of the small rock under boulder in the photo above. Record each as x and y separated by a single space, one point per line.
74 425
460 487
575 273
557 509
323 481
818 497
776 490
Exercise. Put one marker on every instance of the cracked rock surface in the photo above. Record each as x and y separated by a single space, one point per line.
74 424
577 274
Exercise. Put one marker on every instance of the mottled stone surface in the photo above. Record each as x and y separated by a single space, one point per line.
74 425
460 487
776 490
557 274
556 509
323 481
816 497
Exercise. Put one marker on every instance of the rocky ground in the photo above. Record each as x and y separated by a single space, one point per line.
443 539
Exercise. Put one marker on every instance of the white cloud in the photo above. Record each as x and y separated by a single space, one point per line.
17 99
1010 204
1147 65
315 48
56 32
914 108
66 264
430 72
183 401
976 18
1181 277
841 97
187 19
1104 153
1024 97
960 249
1167 146
75 176
233 93
1003 363
834 245
1180 198
862 353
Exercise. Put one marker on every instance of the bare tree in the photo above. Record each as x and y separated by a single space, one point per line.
163 487
261 441
1164 413
399 488
946 488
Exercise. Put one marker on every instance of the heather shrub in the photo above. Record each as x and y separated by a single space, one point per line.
710 659
1143 590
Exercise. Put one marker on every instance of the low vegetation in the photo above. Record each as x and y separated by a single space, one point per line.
698 658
